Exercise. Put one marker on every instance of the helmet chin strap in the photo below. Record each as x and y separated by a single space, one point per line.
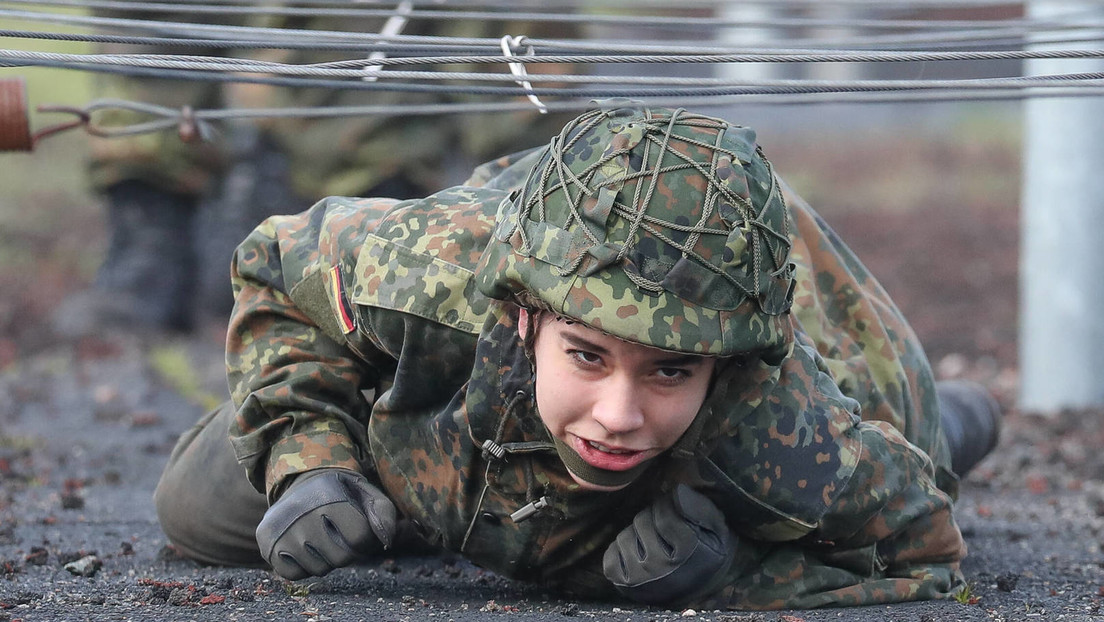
593 475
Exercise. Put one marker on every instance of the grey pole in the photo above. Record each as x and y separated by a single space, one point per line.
1061 344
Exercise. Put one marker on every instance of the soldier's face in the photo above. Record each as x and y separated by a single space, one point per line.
615 403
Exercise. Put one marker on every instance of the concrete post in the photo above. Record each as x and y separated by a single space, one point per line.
747 37
1061 344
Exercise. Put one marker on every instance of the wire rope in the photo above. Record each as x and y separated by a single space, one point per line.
355 69
589 17
230 72
778 56
235 34
170 118
887 31
959 40
879 5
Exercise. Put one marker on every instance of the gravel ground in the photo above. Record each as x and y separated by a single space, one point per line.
86 427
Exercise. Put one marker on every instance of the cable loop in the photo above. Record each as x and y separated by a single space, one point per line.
83 119
189 124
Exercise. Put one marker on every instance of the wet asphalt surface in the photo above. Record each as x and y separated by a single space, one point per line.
86 427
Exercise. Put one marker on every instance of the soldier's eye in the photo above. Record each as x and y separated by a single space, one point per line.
673 375
584 357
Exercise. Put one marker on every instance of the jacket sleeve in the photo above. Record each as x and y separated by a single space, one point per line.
852 514
298 390
886 544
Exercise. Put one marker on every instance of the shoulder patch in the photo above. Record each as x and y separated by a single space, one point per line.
310 296
342 310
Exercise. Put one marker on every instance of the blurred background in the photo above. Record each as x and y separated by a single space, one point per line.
955 145
922 173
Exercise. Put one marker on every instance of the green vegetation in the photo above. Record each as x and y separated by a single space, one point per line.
966 595
175 368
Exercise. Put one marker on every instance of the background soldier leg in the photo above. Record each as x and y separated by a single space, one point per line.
971 421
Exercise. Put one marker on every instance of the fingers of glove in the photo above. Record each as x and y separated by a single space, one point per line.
329 537
654 582
617 562
301 559
706 518
307 547
665 535
672 549
655 542
343 533
306 494
285 565
377 509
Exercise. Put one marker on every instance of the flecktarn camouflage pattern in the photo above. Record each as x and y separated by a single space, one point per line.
662 227
827 461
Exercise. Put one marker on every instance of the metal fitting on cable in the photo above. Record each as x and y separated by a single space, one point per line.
491 448
529 510
509 44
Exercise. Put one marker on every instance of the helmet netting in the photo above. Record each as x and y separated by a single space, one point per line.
658 158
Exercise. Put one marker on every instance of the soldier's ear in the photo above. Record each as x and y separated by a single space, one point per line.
523 322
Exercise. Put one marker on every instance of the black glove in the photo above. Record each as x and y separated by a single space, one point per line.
676 549
324 520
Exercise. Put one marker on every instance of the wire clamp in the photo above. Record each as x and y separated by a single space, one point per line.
392 27
188 128
509 45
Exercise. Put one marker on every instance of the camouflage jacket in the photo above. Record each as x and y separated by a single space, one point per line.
359 341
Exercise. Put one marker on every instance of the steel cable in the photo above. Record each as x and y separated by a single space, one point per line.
779 56
230 72
412 62
590 17
354 69
959 40
240 36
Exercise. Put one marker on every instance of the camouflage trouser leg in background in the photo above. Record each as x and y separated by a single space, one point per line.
206 506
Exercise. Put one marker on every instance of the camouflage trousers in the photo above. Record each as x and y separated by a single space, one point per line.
205 504
210 511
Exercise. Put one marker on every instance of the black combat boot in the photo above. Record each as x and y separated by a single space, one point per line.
258 185
147 277
971 421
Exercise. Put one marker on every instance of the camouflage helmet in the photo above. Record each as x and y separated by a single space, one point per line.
658 226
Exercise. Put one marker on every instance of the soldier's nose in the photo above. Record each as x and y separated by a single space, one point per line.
619 410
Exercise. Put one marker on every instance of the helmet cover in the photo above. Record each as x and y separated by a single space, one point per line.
661 227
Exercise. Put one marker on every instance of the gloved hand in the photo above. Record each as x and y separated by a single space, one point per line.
325 519
674 550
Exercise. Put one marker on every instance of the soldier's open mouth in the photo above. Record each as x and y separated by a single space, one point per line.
608 450
606 457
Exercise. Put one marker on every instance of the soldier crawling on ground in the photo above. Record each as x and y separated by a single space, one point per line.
630 364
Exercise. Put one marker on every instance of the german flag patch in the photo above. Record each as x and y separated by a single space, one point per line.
345 315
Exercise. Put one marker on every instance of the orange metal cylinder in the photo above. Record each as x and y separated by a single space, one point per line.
15 124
